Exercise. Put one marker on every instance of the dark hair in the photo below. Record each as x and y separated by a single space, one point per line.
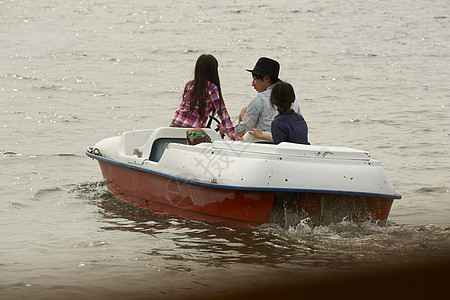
282 96
273 79
205 70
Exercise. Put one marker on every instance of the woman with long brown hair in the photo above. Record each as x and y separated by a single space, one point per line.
202 96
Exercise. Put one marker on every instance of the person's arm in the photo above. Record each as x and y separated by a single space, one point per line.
259 134
226 123
242 114
251 116
240 134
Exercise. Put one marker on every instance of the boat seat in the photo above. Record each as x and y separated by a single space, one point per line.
153 150
160 145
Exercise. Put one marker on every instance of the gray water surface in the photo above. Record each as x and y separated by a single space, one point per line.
371 75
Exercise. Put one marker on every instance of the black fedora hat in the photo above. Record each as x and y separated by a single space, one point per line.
266 67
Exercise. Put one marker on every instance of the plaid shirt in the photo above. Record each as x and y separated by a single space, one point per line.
182 118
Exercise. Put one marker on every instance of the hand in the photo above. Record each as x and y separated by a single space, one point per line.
256 133
259 135
221 129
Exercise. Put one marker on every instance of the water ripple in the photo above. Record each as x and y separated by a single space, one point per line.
436 189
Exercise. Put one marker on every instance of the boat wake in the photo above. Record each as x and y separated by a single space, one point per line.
294 239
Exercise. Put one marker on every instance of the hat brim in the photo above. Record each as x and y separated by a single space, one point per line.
261 73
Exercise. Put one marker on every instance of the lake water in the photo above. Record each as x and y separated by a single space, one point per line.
372 75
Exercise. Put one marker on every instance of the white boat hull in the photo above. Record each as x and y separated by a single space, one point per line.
313 174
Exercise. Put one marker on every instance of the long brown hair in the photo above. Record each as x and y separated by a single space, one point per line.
205 70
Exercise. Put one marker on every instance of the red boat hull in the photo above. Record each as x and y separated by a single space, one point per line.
162 194
166 195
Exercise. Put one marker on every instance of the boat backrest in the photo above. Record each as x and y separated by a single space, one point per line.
160 145
131 140
161 137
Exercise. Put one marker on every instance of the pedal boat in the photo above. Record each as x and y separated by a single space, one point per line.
243 183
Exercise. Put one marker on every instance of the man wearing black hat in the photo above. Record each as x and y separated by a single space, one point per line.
259 113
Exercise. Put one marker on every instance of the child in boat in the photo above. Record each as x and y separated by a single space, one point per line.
287 126
202 97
